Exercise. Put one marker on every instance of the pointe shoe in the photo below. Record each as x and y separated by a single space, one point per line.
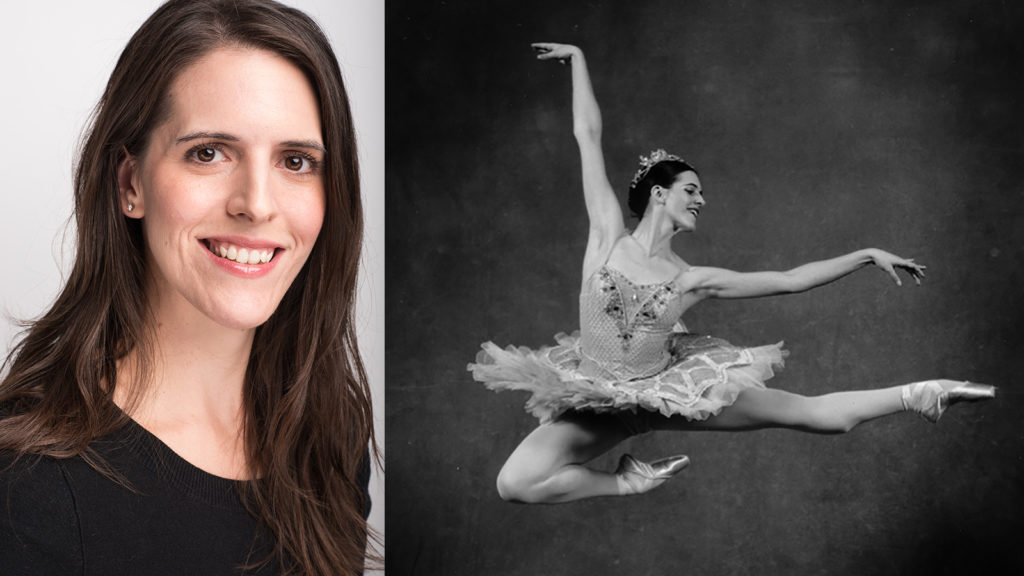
930 399
642 477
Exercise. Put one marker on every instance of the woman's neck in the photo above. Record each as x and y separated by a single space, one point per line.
654 234
193 395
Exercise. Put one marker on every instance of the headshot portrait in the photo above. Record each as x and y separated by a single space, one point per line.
743 276
194 290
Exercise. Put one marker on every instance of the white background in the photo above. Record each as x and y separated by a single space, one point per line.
55 58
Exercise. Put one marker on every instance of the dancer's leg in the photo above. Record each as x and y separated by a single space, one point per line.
833 413
547 467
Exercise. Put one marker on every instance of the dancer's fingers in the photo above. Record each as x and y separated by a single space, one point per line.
916 271
895 277
551 50
543 48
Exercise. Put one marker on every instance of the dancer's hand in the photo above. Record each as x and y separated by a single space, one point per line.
549 50
891 262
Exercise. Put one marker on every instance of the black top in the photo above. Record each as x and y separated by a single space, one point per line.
62 517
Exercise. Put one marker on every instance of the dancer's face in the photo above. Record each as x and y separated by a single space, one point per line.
683 201
230 187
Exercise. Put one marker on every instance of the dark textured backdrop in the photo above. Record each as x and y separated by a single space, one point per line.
819 127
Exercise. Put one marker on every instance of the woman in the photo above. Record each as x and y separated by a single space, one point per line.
194 402
632 369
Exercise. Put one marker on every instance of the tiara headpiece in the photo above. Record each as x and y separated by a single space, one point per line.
648 162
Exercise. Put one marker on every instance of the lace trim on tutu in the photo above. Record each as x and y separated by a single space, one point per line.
705 375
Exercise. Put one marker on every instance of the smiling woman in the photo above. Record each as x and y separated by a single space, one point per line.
222 185
195 402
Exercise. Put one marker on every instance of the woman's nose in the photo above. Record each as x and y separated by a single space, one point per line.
252 197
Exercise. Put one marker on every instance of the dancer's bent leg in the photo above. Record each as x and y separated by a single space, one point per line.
547 467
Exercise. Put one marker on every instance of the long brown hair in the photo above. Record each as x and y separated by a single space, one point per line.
308 421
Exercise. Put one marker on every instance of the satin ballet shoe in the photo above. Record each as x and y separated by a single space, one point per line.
640 477
930 399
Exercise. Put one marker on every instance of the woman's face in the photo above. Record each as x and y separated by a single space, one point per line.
230 187
683 201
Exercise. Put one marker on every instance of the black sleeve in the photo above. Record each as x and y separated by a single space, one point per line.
39 533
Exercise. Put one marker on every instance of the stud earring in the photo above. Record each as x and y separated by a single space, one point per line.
131 206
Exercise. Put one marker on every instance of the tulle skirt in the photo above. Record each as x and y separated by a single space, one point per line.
704 375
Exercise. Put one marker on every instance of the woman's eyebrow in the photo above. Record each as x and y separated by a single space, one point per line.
311 144
206 136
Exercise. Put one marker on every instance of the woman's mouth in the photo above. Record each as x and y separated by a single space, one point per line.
242 255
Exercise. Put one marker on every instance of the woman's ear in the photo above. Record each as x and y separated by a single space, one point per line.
658 193
131 200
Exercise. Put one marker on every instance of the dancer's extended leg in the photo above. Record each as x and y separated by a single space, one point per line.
828 414
547 467
833 413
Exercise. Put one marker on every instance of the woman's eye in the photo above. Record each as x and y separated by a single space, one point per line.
206 154
299 164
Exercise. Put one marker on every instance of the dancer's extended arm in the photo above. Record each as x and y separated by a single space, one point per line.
721 283
606 223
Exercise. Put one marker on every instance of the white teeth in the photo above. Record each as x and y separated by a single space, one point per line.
243 255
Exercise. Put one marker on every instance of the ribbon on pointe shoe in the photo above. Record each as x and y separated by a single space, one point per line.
930 399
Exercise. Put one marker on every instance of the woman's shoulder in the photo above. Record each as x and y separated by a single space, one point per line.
38 523
31 478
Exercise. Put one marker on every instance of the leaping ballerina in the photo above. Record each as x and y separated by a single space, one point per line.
631 368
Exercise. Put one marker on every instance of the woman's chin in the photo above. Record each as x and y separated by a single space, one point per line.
240 318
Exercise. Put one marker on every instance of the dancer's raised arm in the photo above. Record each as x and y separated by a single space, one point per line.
606 223
720 283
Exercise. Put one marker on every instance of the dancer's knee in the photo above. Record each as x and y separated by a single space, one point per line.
509 486
515 485
534 486
817 414
824 418
834 425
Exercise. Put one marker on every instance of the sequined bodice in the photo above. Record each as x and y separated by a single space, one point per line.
625 327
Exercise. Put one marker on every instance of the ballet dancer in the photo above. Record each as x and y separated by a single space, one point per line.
633 368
